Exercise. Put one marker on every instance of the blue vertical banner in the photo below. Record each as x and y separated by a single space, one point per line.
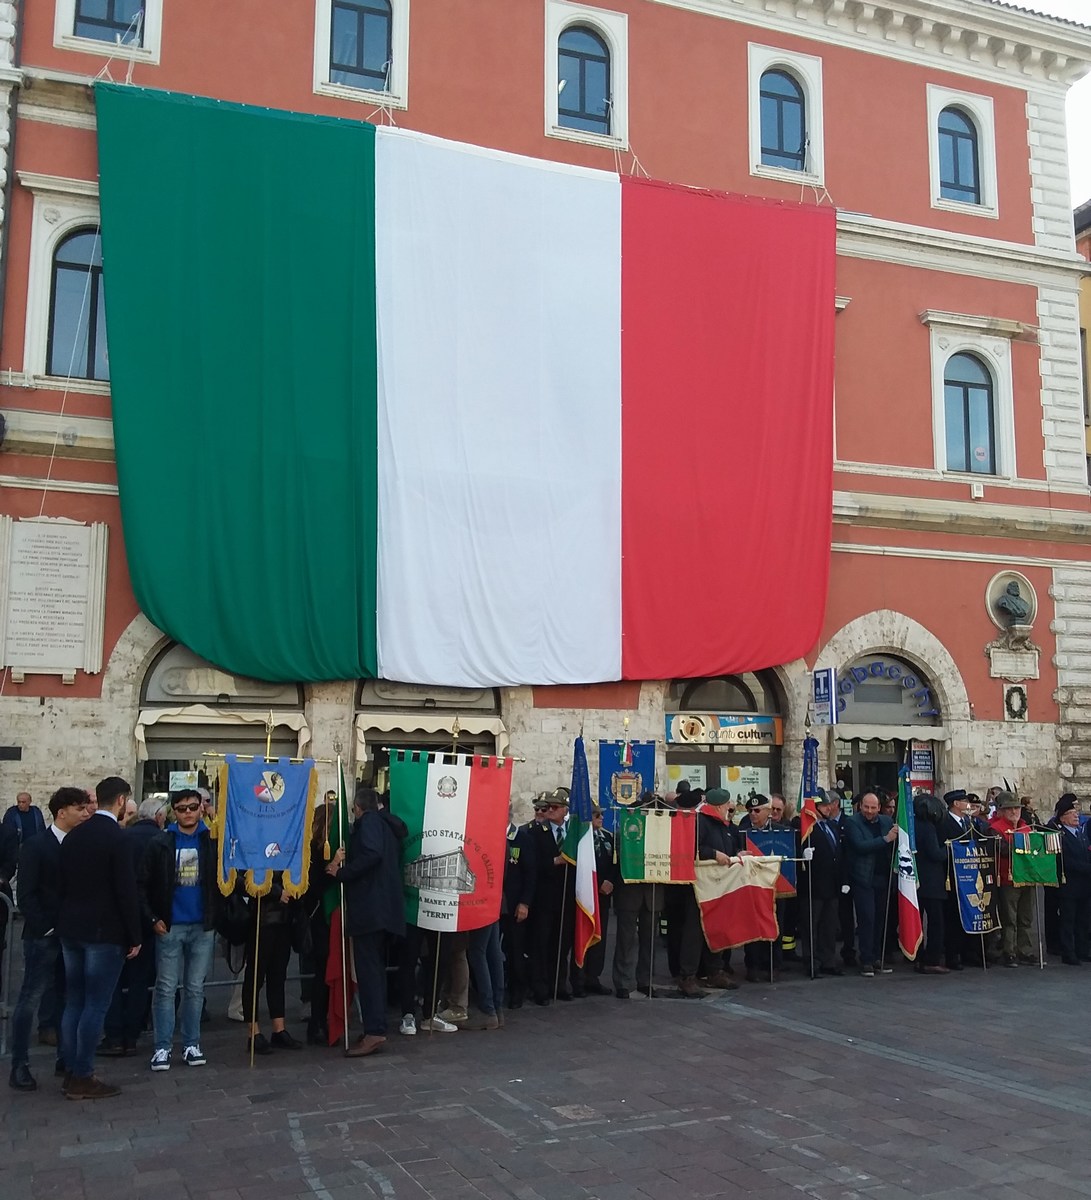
267 807
810 767
622 784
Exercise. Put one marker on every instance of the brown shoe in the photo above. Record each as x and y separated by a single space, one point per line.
935 970
488 1021
723 981
690 989
47 1037
90 1088
369 1043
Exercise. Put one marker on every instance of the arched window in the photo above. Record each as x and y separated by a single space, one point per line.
583 81
959 160
77 314
110 21
969 414
783 122
361 34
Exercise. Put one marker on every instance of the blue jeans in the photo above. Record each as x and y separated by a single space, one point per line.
39 970
872 906
183 958
91 972
487 963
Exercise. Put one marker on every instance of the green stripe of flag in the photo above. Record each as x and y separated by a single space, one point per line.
408 791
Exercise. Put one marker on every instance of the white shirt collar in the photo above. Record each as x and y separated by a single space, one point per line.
59 834
104 812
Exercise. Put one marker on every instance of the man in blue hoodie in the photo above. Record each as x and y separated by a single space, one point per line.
179 897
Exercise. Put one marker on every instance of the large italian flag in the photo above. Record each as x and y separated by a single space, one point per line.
456 808
448 415
737 901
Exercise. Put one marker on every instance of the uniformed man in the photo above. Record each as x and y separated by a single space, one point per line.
553 915
515 906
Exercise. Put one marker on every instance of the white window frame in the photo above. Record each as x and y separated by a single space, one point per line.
613 28
806 70
980 110
64 38
397 93
61 206
947 340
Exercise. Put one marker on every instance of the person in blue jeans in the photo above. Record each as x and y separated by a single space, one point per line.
179 897
39 896
98 922
487 964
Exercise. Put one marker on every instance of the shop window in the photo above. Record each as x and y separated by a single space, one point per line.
586 73
783 122
77 318
361 50
786 124
128 28
970 420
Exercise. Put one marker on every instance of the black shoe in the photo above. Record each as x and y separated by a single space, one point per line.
283 1040
831 971
260 1045
1010 961
1071 962
21 1079
644 989
59 1070
318 1035
621 994
579 994
564 995
106 1049
596 989
516 1002
543 1003
1028 960
954 966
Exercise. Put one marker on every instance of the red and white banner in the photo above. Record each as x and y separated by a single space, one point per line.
738 901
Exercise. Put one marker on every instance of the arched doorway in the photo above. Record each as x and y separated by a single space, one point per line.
888 713
189 707
726 731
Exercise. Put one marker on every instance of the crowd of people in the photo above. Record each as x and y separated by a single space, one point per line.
122 914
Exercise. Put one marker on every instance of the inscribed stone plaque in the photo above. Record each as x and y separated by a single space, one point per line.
49 577
1015 665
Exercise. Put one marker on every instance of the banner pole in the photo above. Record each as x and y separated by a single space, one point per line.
560 937
810 915
254 993
342 801
435 986
1039 922
886 911
651 949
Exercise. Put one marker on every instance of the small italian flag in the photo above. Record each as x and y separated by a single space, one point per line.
456 808
658 847
910 928
579 849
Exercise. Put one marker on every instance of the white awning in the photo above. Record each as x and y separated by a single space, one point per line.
424 721
202 714
890 733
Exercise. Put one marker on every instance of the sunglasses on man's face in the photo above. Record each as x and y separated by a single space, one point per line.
186 807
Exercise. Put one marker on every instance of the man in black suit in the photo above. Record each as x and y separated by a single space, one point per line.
958 950
553 913
821 882
39 898
518 897
1074 929
99 926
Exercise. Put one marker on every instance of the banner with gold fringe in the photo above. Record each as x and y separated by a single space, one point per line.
267 810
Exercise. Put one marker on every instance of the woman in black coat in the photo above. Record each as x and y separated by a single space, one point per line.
931 879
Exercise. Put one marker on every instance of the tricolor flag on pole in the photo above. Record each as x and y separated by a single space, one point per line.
579 849
808 788
910 929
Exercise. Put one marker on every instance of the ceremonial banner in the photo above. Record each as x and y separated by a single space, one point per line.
973 872
266 823
1034 858
340 988
808 788
621 783
738 901
777 843
453 858
579 849
910 925
440 515
657 846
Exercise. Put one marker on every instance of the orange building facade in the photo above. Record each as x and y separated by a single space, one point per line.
960 472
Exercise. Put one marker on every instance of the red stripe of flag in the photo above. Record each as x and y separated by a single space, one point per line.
485 845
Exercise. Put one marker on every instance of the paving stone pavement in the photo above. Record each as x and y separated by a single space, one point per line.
902 1087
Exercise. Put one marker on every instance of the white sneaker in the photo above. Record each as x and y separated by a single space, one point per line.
438 1025
192 1056
408 1025
161 1060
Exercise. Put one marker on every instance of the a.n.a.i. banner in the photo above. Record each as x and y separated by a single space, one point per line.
1034 857
777 843
266 808
626 772
456 809
657 846
973 875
